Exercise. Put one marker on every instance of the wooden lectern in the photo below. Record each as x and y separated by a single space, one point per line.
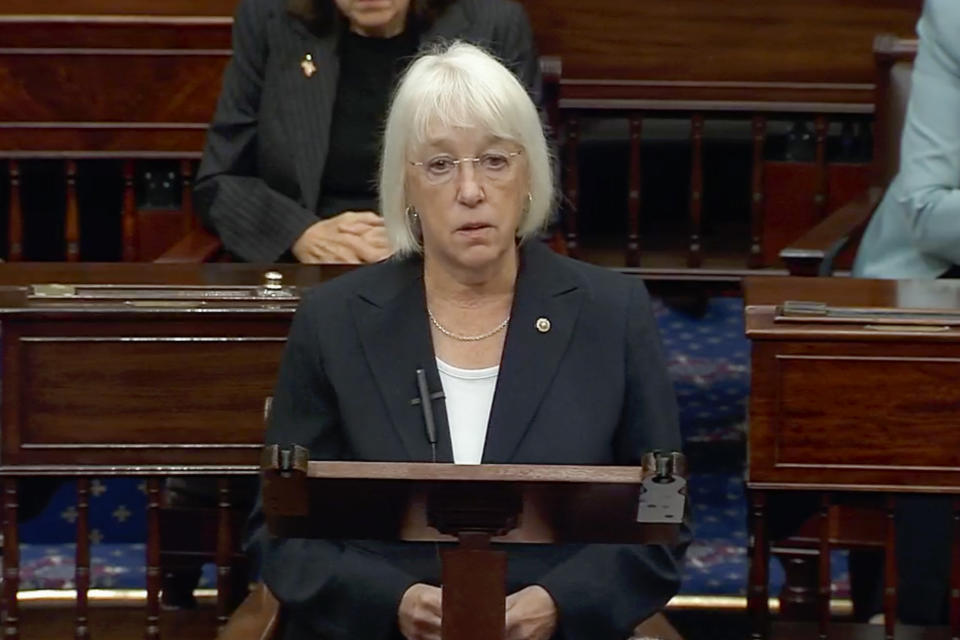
473 505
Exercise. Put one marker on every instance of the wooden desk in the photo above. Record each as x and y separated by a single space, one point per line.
861 404
139 370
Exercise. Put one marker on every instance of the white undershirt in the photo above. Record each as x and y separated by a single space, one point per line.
469 396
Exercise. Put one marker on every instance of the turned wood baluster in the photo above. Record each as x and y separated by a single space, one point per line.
756 197
571 185
890 569
224 551
633 200
11 561
695 250
82 569
757 597
821 127
15 222
152 631
129 214
72 222
186 195
823 591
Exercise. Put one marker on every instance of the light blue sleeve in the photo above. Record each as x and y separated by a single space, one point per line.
930 150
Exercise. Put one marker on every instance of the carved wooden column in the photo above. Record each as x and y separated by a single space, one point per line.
186 195
823 591
695 249
759 127
72 222
11 561
890 569
15 222
759 550
224 551
152 631
82 568
634 199
129 214
821 127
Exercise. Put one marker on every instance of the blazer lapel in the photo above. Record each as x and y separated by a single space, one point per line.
395 336
309 97
531 355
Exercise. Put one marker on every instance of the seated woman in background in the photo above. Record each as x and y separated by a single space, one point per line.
542 360
291 155
915 232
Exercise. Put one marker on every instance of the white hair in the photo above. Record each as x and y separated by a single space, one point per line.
460 85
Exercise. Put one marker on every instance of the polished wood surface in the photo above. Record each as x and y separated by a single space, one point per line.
853 404
126 86
422 501
135 366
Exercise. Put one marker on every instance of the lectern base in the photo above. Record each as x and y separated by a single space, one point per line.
474 590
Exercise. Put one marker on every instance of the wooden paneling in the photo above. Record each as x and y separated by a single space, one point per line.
150 379
827 393
736 40
112 7
117 86
113 32
854 405
145 378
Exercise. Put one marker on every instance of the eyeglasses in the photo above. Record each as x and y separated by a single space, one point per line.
495 166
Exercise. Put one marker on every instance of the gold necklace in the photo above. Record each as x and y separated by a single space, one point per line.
456 336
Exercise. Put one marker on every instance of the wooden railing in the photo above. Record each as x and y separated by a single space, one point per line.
93 87
133 80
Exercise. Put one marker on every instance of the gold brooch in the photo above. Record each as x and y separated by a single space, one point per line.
307 65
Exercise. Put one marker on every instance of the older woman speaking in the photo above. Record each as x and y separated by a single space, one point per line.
541 359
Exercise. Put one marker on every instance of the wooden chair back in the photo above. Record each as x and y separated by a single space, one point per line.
814 252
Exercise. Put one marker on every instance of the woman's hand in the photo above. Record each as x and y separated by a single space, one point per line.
419 612
531 614
350 237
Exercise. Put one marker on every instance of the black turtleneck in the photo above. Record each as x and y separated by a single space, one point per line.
369 68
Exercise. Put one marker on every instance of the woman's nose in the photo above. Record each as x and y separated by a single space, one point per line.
469 189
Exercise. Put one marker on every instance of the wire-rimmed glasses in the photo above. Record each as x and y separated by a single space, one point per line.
494 166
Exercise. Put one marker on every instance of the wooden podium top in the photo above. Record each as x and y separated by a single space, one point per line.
430 502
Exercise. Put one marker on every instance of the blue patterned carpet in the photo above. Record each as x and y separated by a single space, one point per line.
708 359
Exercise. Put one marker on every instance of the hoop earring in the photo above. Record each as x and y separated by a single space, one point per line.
413 219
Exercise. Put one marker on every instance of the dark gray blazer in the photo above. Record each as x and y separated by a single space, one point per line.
592 390
259 181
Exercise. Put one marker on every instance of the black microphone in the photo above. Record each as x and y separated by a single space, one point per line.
425 401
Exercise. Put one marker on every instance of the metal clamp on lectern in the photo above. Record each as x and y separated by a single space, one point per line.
284 474
664 494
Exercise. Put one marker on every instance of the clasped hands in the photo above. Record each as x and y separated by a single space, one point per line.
350 237
531 613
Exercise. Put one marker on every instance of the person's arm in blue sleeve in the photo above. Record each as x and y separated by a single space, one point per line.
929 179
